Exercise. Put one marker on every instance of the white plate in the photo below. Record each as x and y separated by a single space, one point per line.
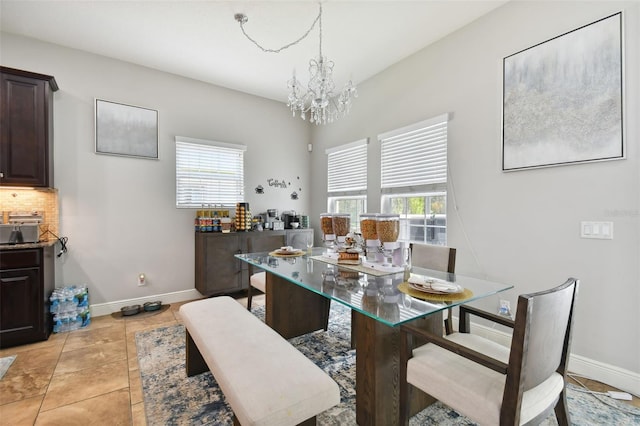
288 252
435 286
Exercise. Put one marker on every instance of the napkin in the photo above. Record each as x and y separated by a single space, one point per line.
428 283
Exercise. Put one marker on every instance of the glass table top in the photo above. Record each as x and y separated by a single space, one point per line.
379 295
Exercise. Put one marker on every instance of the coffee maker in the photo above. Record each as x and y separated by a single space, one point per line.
289 217
269 217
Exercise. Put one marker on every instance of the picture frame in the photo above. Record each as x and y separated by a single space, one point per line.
125 130
563 99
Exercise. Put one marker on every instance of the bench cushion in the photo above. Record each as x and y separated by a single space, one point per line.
265 379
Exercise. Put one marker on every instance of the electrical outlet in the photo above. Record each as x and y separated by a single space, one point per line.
142 280
505 309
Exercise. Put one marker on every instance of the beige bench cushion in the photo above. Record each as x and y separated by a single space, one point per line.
265 379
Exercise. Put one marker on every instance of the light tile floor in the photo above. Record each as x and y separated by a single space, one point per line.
90 376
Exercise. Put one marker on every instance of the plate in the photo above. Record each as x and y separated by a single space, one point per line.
292 252
435 287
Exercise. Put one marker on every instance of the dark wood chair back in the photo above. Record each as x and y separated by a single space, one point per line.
541 341
438 258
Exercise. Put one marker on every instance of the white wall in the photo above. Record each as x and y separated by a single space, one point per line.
119 213
520 227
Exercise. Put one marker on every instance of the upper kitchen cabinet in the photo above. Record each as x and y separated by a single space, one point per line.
26 123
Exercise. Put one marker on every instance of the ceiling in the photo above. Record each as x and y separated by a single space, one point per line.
203 41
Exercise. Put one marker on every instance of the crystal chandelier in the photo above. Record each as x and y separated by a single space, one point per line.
318 99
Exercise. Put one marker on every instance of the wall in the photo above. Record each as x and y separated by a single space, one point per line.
119 213
520 227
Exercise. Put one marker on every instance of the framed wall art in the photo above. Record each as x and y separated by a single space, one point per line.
126 130
562 99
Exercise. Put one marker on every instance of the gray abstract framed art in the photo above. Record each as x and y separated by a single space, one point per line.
126 130
562 99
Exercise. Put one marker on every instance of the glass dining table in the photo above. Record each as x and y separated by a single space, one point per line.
299 291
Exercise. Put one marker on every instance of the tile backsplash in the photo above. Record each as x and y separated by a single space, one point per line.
44 200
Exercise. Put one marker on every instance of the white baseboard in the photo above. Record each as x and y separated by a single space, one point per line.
620 378
102 309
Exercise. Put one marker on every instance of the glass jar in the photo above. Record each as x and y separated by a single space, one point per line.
341 224
368 226
388 227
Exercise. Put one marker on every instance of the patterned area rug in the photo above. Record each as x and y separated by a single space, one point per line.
171 398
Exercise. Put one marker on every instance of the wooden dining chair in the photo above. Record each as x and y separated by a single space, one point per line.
490 383
438 258
258 278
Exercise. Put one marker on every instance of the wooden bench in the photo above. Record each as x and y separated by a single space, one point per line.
265 379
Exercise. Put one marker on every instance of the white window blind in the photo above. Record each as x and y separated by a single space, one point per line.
208 172
347 168
415 155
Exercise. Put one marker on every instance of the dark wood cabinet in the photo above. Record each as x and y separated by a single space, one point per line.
26 123
26 281
218 271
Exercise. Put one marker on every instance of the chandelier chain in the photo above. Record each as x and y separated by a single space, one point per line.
286 46
318 99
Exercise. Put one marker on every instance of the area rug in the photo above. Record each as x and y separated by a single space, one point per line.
171 398
5 363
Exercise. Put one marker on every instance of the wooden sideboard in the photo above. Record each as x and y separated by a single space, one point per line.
217 271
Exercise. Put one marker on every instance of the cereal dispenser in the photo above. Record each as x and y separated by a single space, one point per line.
341 223
368 224
388 230
326 226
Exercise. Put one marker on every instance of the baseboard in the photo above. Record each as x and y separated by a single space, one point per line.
101 309
620 378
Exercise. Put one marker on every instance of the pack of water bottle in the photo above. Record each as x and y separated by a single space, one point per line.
70 308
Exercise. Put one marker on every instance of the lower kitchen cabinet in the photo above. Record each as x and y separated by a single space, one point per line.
26 281
218 271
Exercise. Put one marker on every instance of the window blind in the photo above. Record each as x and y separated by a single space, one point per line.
208 172
415 155
347 168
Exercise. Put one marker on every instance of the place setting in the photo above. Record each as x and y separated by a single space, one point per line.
429 288
287 251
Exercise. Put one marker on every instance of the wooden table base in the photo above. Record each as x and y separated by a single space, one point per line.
292 311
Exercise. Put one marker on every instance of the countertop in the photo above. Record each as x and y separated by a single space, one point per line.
27 245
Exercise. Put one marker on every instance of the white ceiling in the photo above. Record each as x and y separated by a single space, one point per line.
202 40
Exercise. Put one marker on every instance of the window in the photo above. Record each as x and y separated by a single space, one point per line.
414 179
347 180
208 172
423 217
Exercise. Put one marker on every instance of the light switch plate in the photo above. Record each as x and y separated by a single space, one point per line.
596 230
